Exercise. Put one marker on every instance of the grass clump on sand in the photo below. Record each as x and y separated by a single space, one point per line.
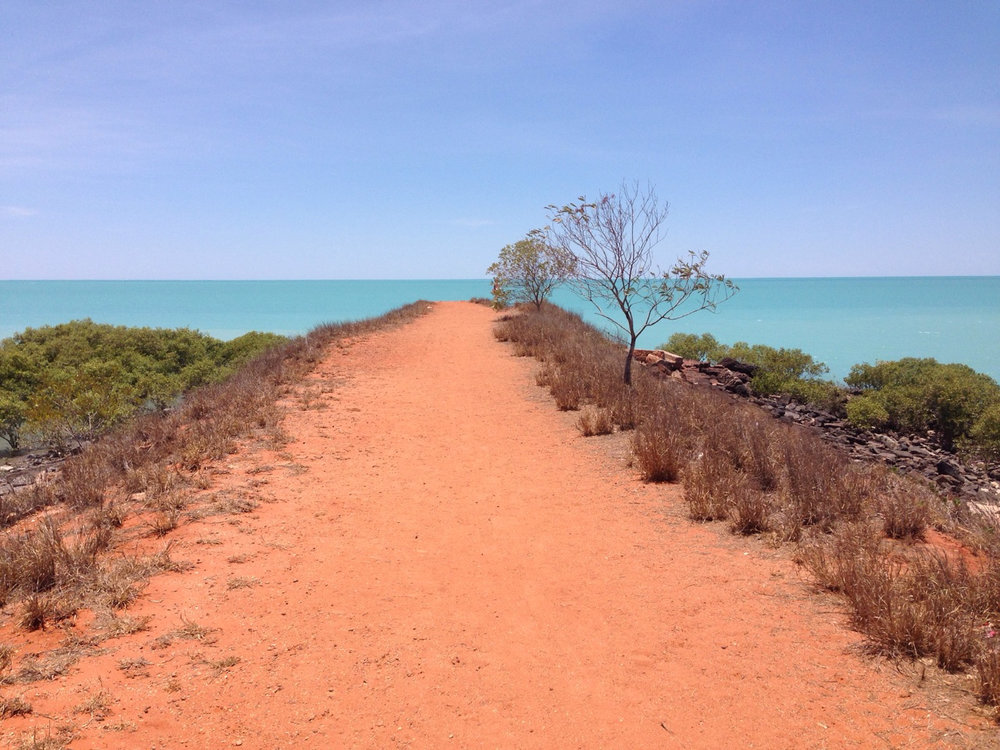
857 528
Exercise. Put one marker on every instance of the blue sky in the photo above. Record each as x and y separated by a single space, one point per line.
252 139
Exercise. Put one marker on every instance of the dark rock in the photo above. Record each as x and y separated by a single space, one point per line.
949 468
736 366
740 389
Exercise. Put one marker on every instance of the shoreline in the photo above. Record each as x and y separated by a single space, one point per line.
824 317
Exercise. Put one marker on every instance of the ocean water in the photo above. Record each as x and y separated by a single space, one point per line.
840 321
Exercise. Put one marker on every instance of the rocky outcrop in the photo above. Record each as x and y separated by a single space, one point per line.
25 470
913 454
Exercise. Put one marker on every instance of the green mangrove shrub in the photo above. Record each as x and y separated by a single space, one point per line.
779 370
72 381
916 395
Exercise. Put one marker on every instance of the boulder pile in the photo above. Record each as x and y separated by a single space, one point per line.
974 482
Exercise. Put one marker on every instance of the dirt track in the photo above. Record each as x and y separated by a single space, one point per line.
447 563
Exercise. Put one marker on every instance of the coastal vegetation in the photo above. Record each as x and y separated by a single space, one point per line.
957 406
775 370
65 539
865 533
528 271
612 241
605 250
68 383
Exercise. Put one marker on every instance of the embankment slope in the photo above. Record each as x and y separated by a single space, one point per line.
446 562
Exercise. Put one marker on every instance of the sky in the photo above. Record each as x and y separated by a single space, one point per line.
253 139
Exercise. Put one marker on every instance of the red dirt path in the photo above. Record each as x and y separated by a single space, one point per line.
447 563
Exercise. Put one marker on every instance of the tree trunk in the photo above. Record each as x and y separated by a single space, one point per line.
628 363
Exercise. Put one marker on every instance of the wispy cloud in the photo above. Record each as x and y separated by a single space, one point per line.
17 212
41 136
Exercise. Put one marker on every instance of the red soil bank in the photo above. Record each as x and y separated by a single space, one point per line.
448 563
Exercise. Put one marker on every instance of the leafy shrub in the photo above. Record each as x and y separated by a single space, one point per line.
867 413
528 271
785 364
985 433
73 381
13 415
790 371
820 393
916 395
691 346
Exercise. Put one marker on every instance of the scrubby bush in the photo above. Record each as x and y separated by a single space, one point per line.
916 395
705 347
528 271
867 413
13 415
985 433
820 393
72 381
782 364
789 371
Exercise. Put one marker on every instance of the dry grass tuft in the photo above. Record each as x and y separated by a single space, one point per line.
39 610
48 741
595 420
47 667
706 486
14 706
987 660
118 626
164 521
749 509
98 706
242 582
658 450
135 666
905 511
223 664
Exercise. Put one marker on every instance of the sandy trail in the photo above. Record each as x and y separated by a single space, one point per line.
449 564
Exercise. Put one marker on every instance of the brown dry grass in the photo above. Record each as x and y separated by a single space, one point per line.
857 528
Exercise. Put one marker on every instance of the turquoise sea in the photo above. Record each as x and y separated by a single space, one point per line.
840 321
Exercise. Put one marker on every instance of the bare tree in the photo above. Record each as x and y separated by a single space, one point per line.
612 241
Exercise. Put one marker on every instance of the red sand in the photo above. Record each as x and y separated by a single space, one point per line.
449 564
